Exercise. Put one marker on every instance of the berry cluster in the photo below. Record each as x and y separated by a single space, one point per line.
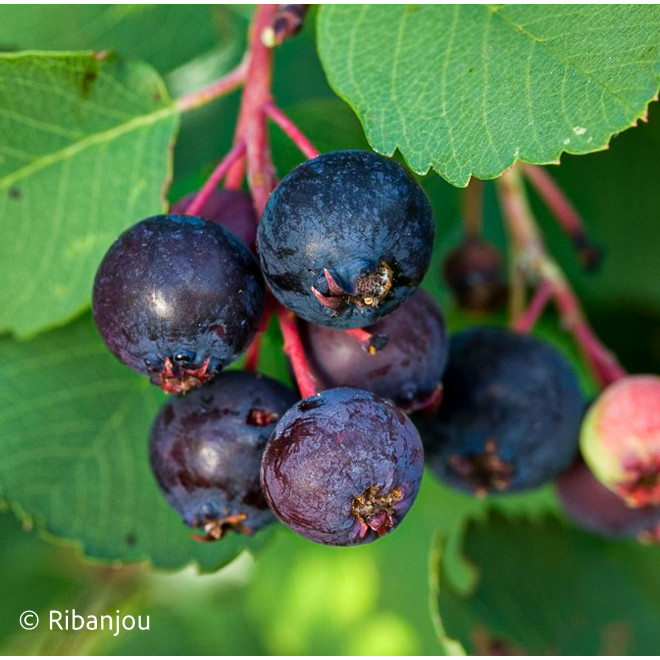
343 242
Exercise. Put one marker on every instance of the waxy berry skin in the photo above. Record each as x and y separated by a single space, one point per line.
345 238
510 414
403 361
595 508
342 467
233 209
177 298
620 439
205 451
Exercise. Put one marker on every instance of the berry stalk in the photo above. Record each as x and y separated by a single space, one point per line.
527 320
539 267
294 349
207 189
565 213
221 87
297 136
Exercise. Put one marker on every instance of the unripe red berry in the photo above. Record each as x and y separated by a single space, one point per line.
620 439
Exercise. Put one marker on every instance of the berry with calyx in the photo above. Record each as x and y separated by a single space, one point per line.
473 271
401 358
510 414
597 509
233 209
620 439
205 451
177 298
342 467
345 238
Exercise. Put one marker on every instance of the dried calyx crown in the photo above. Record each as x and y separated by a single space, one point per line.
364 285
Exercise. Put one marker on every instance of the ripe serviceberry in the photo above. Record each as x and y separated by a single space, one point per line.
206 447
345 238
510 414
177 298
342 467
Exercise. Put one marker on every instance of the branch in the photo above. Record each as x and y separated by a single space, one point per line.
251 127
539 267
253 132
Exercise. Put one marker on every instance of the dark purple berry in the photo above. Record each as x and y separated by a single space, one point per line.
233 209
206 447
510 414
596 508
342 467
345 238
473 271
178 298
401 358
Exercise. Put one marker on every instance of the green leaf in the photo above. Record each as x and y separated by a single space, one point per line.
165 36
84 153
470 89
547 588
73 453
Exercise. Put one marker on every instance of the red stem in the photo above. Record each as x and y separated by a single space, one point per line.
207 189
228 83
297 136
253 131
235 175
294 349
528 319
251 127
565 213
604 362
538 265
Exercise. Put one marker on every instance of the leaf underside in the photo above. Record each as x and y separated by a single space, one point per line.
74 453
84 153
546 588
470 89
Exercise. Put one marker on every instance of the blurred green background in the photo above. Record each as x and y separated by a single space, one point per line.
299 598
